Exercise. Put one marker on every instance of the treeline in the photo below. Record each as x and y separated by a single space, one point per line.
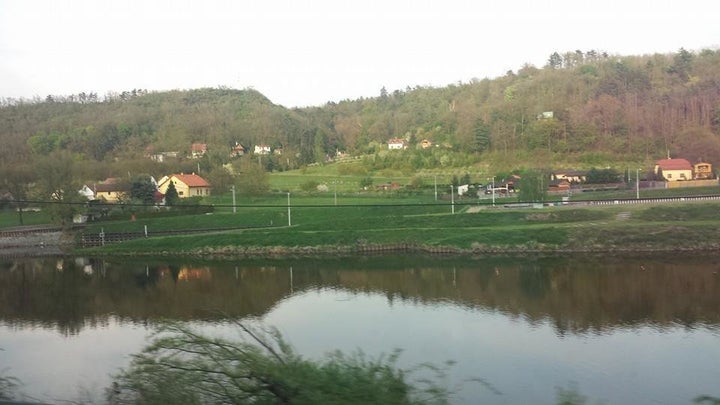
636 107
580 107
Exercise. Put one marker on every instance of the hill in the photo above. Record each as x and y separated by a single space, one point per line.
581 109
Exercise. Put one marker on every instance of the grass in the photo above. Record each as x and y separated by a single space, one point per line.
334 176
410 221
9 218
349 219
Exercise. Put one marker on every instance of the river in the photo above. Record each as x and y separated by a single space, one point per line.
641 330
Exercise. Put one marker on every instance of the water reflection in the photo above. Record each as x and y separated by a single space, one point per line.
621 328
578 296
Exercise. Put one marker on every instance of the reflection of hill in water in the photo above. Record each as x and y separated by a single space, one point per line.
576 295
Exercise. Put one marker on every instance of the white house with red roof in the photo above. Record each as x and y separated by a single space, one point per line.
396 144
186 185
674 169
198 150
262 149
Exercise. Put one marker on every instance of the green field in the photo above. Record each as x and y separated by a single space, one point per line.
262 225
348 218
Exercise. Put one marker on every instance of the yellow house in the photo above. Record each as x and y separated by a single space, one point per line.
111 190
674 169
186 185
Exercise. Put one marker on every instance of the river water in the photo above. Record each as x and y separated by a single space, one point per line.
641 330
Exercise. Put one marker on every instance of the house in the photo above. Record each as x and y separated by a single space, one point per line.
425 144
674 169
396 144
559 186
87 192
545 115
111 190
703 171
186 185
158 198
572 176
161 156
237 150
198 150
262 149
388 186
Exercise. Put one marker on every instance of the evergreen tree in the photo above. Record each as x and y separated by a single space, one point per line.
481 141
143 189
171 195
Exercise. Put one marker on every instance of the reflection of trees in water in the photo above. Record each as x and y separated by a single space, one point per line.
575 295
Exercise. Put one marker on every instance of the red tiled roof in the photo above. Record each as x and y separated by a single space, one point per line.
199 147
110 185
674 164
192 180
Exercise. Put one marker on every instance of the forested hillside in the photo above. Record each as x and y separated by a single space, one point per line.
582 108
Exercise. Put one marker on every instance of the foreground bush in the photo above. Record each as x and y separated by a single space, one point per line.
183 366
8 385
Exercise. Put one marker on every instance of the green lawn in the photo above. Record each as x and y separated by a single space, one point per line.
647 227
352 219
9 218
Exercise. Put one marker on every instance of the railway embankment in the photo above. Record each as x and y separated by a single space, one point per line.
34 241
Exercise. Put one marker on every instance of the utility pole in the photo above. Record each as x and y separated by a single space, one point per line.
436 187
289 221
637 184
452 198
493 190
233 195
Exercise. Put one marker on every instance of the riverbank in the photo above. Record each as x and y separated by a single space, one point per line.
35 241
609 238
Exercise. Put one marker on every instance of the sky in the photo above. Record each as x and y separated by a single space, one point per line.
307 53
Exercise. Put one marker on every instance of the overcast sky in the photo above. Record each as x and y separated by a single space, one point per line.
300 53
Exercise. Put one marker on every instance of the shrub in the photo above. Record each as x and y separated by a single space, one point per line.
183 366
309 186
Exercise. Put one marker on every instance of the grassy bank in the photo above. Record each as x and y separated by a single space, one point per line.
414 224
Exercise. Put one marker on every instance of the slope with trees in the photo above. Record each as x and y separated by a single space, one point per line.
583 109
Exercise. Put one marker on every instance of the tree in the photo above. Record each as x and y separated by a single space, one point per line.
58 186
18 177
171 194
481 141
251 179
533 186
319 148
143 189
555 61
681 63
221 179
366 182
183 366
602 176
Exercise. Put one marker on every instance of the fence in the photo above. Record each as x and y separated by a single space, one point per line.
691 183
103 238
